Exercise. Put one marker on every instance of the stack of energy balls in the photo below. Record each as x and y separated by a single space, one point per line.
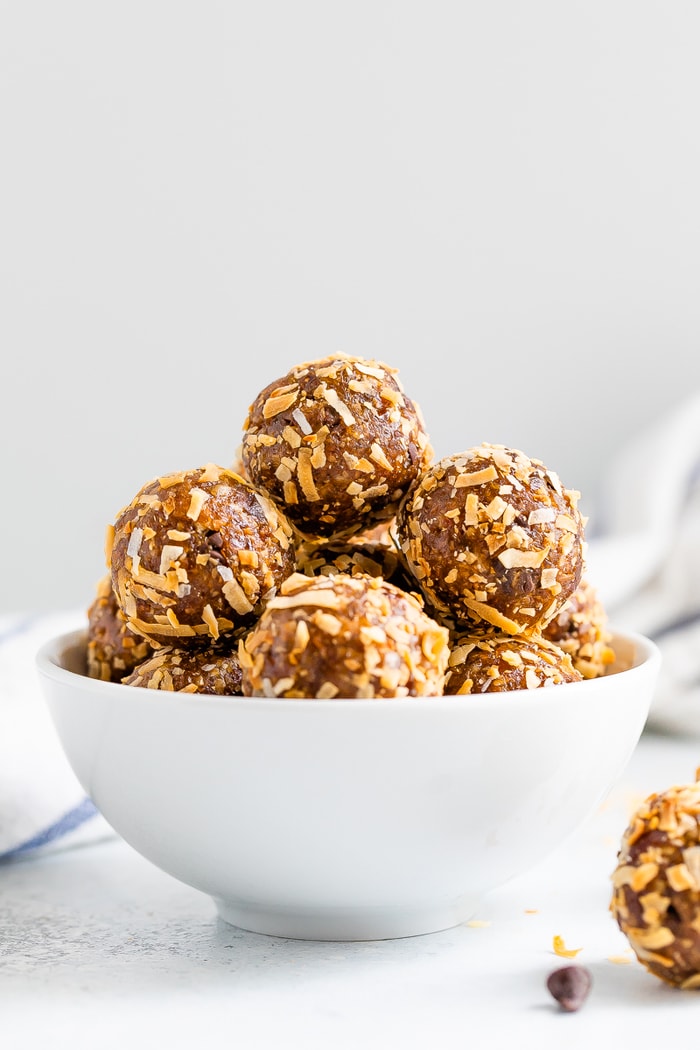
339 560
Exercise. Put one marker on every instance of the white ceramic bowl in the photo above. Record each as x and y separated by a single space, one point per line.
347 819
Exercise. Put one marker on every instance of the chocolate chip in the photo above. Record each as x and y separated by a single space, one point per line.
570 986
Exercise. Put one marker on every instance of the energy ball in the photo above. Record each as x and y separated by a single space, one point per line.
212 669
198 553
489 661
491 535
353 637
656 885
354 559
336 443
580 629
112 649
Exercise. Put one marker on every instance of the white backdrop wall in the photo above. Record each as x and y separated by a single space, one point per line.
499 199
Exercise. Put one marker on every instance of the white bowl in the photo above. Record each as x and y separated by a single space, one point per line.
347 819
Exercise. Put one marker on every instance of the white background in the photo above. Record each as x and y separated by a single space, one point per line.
499 199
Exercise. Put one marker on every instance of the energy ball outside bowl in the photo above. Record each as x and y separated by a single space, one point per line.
198 553
580 628
489 661
211 669
112 649
354 637
656 885
337 443
492 535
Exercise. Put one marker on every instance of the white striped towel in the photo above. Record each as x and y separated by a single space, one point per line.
42 805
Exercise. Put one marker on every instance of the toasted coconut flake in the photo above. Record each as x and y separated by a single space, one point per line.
169 554
365 466
291 437
691 856
235 596
282 685
318 457
471 509
541 516
331 397
306 476
513 558
166 481
251 585
280 402
268 510
567 523
368 370
321 599
560 948
532 679
476 477
210 620
283 473
302 422
375 490
379 456
493 616
301 636
656 937
198 497
249 558
460 653
327 691
394 397
109 544
291 495
361 386
134 545
328 623
548 578
211 472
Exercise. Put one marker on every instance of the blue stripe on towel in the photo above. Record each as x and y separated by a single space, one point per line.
84 811
680 624
19 626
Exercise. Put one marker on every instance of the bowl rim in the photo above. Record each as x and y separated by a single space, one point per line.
50 655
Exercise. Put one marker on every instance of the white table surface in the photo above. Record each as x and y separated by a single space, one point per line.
98 948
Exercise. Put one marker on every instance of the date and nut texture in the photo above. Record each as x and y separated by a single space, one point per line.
112 649
356 558
492 535
347 636
581 630
212 669
197 554
656 885
489 661
336 443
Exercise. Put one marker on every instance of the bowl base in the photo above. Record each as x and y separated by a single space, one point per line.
345 924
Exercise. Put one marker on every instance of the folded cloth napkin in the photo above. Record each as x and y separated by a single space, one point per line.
42 805
644 556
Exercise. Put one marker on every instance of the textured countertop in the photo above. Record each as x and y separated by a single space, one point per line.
98 948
